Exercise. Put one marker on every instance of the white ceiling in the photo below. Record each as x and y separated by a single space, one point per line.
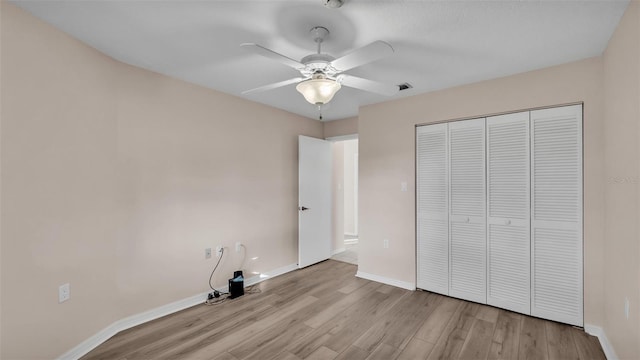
438 44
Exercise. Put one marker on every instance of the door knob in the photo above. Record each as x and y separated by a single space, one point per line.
302 208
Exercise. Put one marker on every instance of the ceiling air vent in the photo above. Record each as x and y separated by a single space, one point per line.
405 86
333 3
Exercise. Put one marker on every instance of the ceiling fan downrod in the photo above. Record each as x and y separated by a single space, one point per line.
319 33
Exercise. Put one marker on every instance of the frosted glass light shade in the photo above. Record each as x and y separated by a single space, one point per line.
318 91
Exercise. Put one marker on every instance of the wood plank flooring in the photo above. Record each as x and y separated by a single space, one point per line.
325 312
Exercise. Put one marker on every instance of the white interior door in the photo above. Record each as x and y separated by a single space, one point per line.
508 231
314 200
467 208
556 214
432 208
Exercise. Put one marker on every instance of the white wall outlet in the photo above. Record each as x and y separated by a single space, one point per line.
626 308
64 292
238 246
403 186
218 251
385 243
207 253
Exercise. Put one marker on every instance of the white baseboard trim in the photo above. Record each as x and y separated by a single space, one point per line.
270 274
598 332
131 321
337 251
350 234
123 324
385 280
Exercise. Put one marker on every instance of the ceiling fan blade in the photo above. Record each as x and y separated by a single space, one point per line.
261 50
368 85
274 85
366 54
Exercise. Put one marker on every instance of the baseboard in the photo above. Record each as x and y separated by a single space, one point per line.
350 234
337 251
270 274
141 318
604 342
385 280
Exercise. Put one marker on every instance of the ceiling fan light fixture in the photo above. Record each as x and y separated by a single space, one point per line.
318 90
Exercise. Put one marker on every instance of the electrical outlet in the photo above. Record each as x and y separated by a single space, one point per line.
64 293
238 245
626 308
207 253
385 243
218 251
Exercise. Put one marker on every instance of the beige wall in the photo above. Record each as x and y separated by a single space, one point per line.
337 175
115 180
59 168
348 126
350 188
344 208
196 172
387 158
338 128
622 187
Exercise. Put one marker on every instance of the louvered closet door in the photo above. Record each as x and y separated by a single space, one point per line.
467 245
556 222
508 207
432 208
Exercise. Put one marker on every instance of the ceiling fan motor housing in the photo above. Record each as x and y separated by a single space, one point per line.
318 63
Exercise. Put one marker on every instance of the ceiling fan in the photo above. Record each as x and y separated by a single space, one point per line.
322 74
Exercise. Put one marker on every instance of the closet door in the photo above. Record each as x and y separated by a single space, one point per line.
508 208
432 208
467 206
556 221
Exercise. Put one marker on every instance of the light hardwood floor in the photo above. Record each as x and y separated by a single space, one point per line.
325 312
349 255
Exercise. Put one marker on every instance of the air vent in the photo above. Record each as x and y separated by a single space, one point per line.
334 4
405 86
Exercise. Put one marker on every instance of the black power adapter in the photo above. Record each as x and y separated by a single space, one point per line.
214 294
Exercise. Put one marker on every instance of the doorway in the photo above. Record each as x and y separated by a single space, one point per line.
345 196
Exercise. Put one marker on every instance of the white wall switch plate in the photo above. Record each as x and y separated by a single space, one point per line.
207 253
218 251
238 246
403 186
